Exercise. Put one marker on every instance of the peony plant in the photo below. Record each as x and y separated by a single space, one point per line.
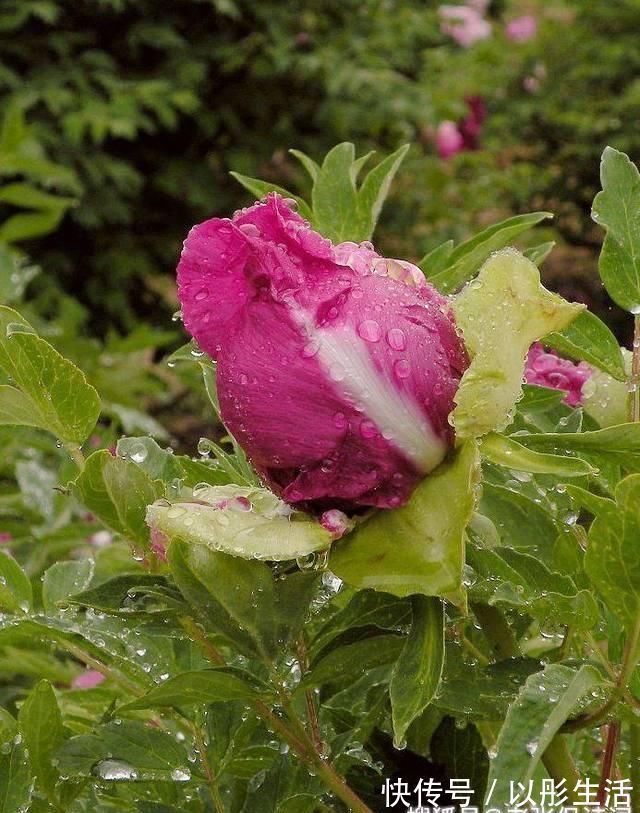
405 563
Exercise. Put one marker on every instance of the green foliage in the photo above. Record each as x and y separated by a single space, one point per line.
232 672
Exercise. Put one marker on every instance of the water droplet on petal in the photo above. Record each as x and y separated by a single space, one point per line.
396 339
340 421
368 429
369 330
402 368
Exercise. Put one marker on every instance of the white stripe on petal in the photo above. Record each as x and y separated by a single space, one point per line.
395 413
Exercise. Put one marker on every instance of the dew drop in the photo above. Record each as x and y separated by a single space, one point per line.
181 775
402 368
369 330
202 294
340 421
368 429
115 770
396 339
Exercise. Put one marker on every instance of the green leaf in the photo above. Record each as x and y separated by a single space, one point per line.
16 782
505 451
262 188
544 704
15 588
240 599
481 693
514 579
618 444
460 750
436 260
64 579
308 163
192 688
125 750
163 464
418 548
270 530
334 194
41 726
538 254
118 493
501 314
117 595
53 393
417 673
612 559
617 209
520 522
347 663
587 338
464 262
372 194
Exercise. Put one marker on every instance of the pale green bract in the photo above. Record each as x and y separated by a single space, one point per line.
266 529
419 547
501 313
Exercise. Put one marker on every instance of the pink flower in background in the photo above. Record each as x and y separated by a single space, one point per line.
449 139
471 126
337 368
452 138
549 370
464 24
5 537
87 680
522 29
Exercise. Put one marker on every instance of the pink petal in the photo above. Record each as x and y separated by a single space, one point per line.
336 367
87 680
522 29
449 140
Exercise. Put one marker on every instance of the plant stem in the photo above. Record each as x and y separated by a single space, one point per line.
198 635
497 631
92 663
212 783
75 453
559 763
294 733
634 773
608 759
634 378
310 698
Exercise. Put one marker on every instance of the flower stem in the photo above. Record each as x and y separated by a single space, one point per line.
310 699
75 453
634 378
290 730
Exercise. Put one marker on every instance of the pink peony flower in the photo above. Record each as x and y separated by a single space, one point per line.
464 24
87 680
549 370
471 126
337 368
522 29
449 139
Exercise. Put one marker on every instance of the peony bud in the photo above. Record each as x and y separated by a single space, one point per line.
337 368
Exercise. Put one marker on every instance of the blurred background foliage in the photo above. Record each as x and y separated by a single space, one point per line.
123 118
